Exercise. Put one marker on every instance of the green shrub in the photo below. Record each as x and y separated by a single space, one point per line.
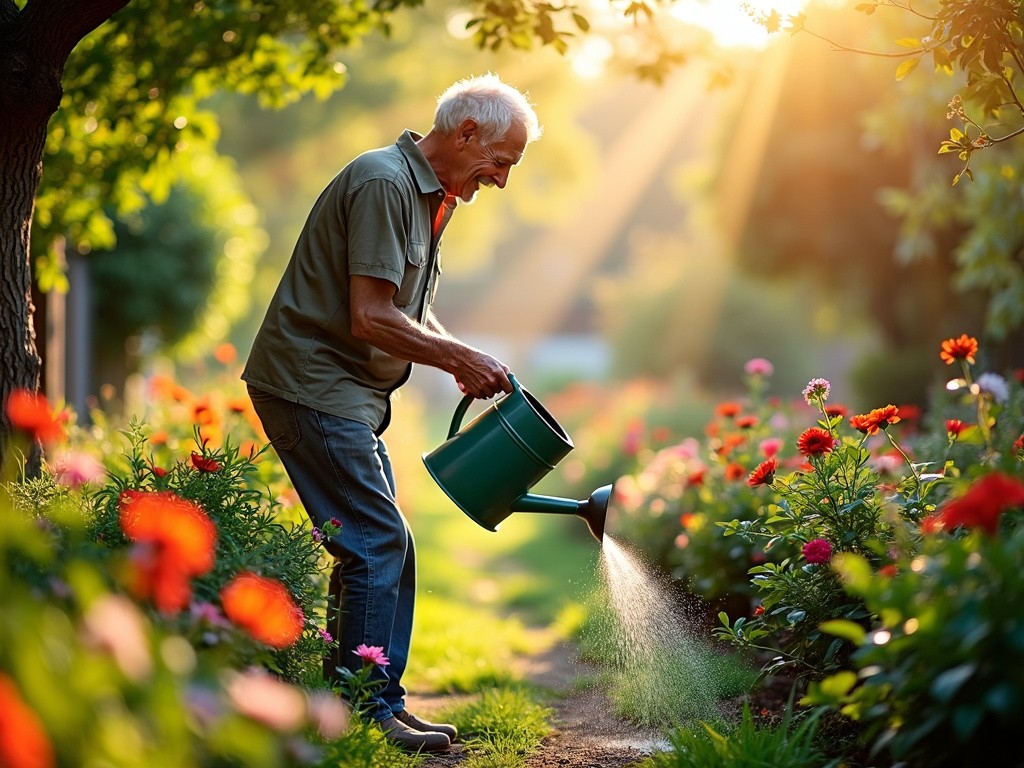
941 672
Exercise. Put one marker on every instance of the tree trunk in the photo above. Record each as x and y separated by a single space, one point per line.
35 42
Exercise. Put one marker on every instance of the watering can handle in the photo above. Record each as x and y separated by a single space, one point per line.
463 406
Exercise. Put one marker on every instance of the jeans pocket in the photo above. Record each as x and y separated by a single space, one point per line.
278 417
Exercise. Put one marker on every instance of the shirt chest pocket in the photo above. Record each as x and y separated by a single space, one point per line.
416 273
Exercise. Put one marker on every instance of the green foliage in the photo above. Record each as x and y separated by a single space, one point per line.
940 672
181 270
106 682
789 744
250 537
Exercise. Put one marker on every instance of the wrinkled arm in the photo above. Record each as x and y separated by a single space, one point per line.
377 321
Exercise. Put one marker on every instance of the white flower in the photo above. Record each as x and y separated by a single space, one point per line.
994 385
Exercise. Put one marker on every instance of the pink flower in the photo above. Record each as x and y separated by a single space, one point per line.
76 469
770 446
371 654
816 392
758 366
817 551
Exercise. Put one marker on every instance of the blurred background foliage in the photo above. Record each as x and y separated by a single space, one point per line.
782 200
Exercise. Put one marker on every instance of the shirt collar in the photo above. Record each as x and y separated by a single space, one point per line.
426 179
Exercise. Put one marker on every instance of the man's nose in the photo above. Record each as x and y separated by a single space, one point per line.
501 178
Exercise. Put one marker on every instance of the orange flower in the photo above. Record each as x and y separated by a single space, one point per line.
734 471
879 418
23 742
964 348
225 354
728 409
31 413
175 542
263 608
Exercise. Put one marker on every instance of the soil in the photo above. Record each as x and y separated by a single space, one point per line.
587 732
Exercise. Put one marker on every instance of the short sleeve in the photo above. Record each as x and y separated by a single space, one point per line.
377 229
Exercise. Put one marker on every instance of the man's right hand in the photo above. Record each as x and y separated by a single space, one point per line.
482 376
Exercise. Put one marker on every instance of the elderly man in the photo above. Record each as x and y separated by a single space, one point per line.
351 315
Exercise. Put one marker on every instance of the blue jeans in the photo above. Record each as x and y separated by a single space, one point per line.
341 469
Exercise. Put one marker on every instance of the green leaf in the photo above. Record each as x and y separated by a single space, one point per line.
945 685
854 571
848 630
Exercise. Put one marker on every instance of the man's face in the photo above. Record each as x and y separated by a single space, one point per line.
478 165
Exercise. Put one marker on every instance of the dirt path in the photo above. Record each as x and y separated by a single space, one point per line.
587 735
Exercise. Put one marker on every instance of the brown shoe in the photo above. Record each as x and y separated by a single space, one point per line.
411 739
412 721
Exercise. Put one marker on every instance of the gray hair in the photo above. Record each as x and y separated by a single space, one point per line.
494 105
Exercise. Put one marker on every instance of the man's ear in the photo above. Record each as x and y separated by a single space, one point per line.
467 131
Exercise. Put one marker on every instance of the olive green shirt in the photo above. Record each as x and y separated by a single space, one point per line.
375 218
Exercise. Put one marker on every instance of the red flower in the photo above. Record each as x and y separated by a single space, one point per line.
31 413
954 427
764 474
879 418
980 507
264 608
696 477
888 571
909 412
23 742
835 410
817 551
759 611
964 348
175 542
734 471
204 463
815 442
746 422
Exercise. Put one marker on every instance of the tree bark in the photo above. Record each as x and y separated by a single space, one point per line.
35 43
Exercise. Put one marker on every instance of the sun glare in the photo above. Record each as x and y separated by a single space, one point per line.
730 21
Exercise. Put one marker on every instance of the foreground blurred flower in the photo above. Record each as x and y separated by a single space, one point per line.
815 442
327 713
267 700
76 469
964 348
372 654
264 608
176 541
23 742
114 625
980 507
31 413
817 551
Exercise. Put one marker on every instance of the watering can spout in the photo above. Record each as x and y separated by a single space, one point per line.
593 511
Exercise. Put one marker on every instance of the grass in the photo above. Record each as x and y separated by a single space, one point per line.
502 728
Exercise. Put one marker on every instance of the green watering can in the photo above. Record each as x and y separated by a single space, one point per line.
488 466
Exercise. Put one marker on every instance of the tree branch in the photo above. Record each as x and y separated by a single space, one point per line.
8 12
57 26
